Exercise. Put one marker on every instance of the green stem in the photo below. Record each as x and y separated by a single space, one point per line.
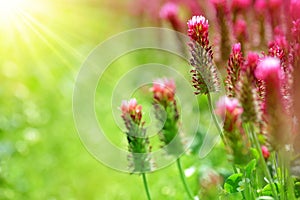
146 186
183 179
263 162
215 118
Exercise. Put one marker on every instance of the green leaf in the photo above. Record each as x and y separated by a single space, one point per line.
254 153
297 189
267 190
232 183
251 166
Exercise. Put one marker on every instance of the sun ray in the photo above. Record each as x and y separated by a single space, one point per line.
54 37
24 33
45 40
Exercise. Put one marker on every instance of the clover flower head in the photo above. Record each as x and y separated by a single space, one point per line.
267 68
138 141
265 152
251 62
168 10
252 58
240 4
231 111
131 111
198 30
229 106
167 113
164 89
234 65
260 6
236 48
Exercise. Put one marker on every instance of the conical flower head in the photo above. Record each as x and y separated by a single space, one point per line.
247 91
277 117
164 90
166 112
138 142
234 65
131 111
198 30
269 70
170 12
231 111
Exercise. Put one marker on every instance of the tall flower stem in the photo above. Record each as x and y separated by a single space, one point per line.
265 169
215 118
146 186
183 179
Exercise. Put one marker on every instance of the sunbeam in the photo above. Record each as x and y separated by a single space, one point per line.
52 36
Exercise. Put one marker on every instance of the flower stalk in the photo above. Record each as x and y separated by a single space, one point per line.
146 186
183 180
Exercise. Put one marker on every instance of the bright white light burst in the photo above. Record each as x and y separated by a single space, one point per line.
10 7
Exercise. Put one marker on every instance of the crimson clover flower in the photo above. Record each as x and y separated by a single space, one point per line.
237 5
167 113
138 142
269 70
204 73
247 90
164 90
170 12
231 111
234 65
265 151
198 31
131 112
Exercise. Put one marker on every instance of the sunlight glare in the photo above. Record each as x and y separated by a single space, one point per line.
10 7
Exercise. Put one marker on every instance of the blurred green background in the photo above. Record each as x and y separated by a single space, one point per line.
42 46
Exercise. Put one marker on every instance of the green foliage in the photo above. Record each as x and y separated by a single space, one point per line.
251 166
232 183
267 191
297 189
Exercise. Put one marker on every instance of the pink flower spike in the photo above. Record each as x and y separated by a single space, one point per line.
124 106
131 111
168 11
236 48
268 68
252 58
132 104
260 6
230 105
240 4
251 62
265 152
198 29
230 110
164 89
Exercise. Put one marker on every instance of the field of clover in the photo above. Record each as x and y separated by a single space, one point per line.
208 110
